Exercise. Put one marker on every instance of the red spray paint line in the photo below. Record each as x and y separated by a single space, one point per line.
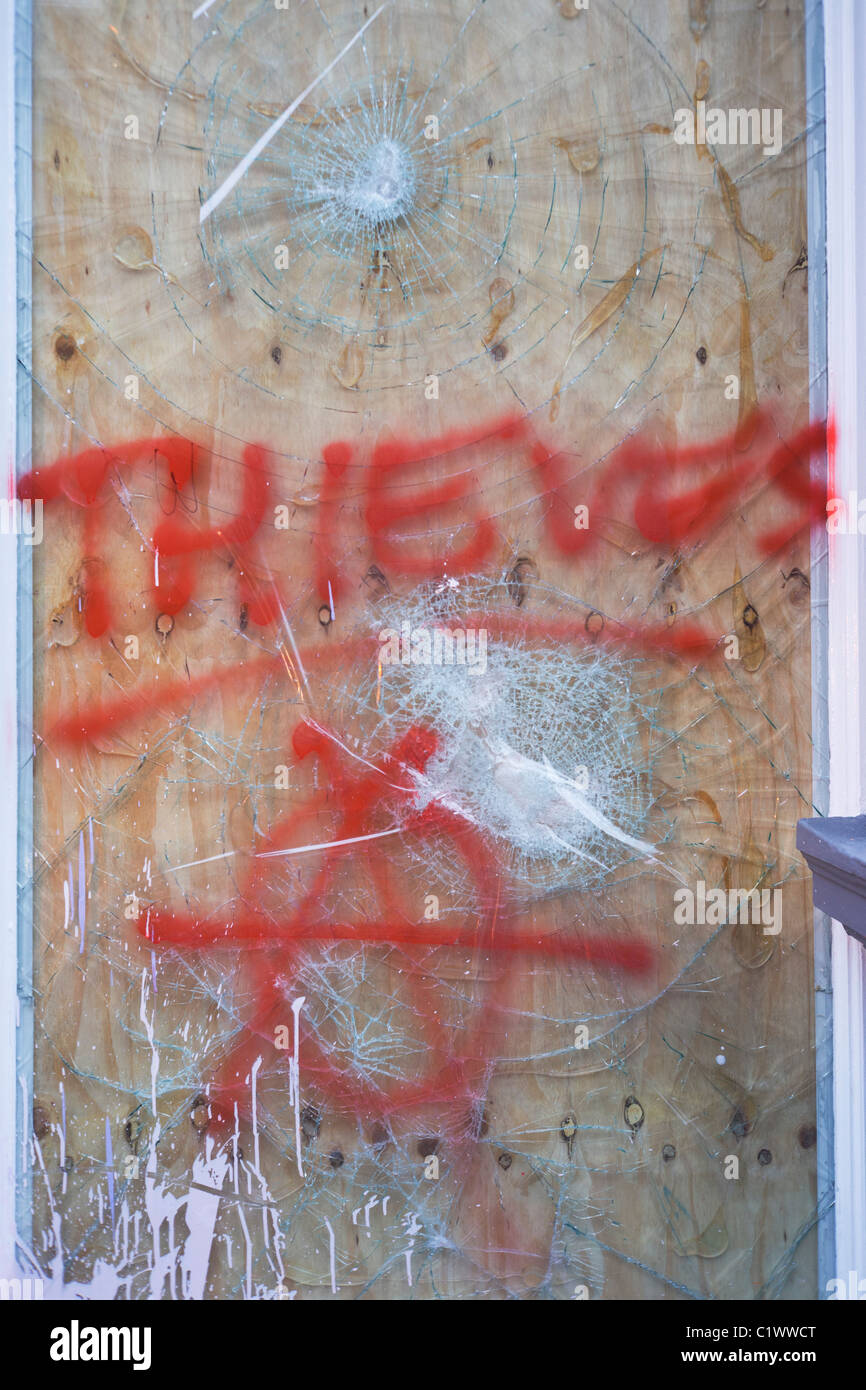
685 517
688 642
382 511
172 929
84 480
83 477
457 1060
660 517
831 456
101 717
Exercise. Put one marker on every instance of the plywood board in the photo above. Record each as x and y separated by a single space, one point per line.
476 342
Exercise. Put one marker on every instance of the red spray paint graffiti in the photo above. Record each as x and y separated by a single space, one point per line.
84 481
668 508
456 1059
660 516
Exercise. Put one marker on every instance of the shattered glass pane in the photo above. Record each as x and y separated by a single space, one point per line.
423 700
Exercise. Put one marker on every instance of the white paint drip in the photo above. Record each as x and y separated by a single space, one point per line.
249 1245
154 1054
412 1230
63 1134
255 1115
295 1081
208 1170
332 1255
82 890
109 1163
235 1143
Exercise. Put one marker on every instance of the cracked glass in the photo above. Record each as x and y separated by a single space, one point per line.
421 652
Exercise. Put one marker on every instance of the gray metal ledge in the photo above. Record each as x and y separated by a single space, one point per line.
834 847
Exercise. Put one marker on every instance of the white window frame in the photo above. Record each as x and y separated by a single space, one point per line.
844 38
9 1016
844 54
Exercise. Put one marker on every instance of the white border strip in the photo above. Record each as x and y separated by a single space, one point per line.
8 666
845 41
820 574
845 54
